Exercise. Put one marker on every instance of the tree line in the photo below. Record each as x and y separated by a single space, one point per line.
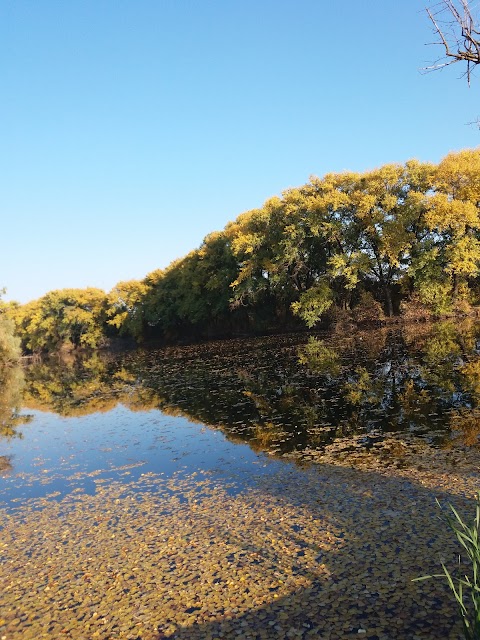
400 239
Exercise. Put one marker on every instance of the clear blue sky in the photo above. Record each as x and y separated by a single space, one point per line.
131 129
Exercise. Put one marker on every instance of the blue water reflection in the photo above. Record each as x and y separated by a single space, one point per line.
60 454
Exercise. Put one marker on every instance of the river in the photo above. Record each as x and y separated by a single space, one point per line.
276 487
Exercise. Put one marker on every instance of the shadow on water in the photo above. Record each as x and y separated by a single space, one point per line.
373 535
328 553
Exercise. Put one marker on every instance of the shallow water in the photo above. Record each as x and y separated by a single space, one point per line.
60 454
264 488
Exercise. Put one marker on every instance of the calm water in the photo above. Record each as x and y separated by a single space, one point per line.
238 408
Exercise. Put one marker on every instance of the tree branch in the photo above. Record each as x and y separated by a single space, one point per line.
460 38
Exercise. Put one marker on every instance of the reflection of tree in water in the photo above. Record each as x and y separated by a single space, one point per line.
416 381
465 427
12 382
72 386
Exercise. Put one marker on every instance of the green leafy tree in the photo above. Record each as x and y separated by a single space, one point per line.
10 351
64 318
125 309
448 258
192 295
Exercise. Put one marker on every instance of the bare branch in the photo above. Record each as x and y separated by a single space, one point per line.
459 34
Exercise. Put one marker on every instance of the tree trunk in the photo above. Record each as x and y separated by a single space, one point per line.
454 286
388 300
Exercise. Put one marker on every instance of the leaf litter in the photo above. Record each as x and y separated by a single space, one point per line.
325 552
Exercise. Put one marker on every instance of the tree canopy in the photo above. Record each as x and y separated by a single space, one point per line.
402 238
9 343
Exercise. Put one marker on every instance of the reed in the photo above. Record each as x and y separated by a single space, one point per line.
465 587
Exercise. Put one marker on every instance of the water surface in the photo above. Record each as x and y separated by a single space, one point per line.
270 488
328 397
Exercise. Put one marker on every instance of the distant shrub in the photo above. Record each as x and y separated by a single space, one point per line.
437 296
414 309
339 318
368 310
